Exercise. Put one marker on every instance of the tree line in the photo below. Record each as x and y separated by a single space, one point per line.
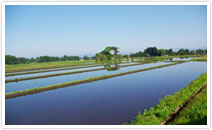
9 59
148 52
106 55
153 51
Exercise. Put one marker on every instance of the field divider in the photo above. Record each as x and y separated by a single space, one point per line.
67 84
180 108
49 67
41 71
65 73
56 69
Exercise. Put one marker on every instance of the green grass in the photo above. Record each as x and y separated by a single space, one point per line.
161 58
56 69
37 88
58 74
54 85
155 115
195 113
202 58
45 65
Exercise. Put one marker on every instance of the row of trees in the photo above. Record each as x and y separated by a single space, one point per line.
153 51
148 52
9 59
50 58
109 53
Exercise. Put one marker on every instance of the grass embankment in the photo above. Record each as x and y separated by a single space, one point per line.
45 65
49 65
161 112
61 85
202 58
162 58
69 68
56 69
65 73
195 113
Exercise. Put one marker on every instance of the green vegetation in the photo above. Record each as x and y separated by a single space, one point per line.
50 58
106 54
56 86
16 64
195 113
46 65
153 51
162 58
57 69
202 58
155 115
67 68
107 67
10 60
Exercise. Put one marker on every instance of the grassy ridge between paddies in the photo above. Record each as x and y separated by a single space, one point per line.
161 58
65 73
46 65
59 69
157 114
195 113
49 65
202 58
67 84
179 108
56 69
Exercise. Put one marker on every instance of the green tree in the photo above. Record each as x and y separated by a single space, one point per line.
160 52
23 60
132 57
100 57
115 49
152 51
183 52
193 52
86 58
120 56
170 52
126 56
10 60
107 52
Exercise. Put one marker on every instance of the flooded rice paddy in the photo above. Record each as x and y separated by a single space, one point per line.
106 102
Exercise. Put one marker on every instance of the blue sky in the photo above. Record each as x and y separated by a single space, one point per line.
56 30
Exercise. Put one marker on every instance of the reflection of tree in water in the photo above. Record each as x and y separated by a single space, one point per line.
183 57
112 68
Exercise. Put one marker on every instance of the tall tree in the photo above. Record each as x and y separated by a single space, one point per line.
10 60
152 51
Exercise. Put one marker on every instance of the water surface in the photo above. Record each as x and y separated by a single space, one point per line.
61 71
107 102
27 84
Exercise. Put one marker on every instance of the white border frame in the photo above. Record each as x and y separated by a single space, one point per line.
108 126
